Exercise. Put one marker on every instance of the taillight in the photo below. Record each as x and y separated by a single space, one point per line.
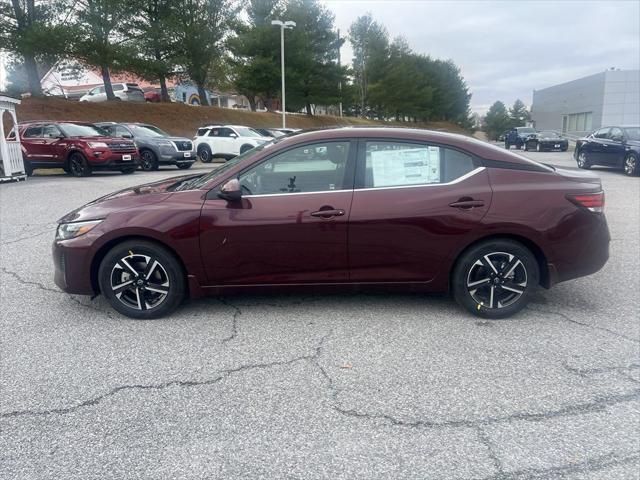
594 202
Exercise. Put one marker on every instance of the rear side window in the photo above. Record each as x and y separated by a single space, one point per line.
33 132
396 164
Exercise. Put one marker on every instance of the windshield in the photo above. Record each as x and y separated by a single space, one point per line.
146 131
82 130
549 134
204 179
633 133
526 130
247 132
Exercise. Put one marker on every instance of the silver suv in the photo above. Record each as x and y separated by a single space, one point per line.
128 92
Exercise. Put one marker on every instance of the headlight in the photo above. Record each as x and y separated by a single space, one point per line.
97 145
75 229
165 143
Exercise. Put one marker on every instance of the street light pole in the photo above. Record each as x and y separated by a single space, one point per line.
282 26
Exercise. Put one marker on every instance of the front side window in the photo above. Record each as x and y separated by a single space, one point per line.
214 132
50 131
311 168
117 87
616 134
396 164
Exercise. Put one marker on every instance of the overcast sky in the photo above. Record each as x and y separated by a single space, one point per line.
506 49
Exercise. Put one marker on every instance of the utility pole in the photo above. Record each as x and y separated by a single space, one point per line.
283 25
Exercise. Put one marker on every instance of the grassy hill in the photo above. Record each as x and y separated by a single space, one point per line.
183 120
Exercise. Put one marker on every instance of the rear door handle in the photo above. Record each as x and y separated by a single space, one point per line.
328 213
465 204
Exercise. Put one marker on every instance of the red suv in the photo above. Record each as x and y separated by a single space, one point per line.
78 148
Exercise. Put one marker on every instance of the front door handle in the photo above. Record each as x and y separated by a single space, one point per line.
467 203
328 213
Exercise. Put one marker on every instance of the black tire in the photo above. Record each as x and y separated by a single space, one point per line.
507 146
184 166
204 153
538 147
28 169
631 166
162 280
148 161
245 148
564 149
78 165
526 147
495 278
583 161
128 171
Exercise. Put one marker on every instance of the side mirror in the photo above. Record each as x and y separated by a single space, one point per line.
231 191
233 135
127 135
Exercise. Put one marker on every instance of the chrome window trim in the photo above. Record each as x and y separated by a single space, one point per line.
453 182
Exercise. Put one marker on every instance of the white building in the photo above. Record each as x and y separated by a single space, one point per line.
581 106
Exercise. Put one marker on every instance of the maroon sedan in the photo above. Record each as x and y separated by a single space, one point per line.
348 207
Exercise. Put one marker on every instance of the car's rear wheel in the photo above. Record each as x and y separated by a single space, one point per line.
494 279
78 165
141 279
631 166
583 161
148 161
204 152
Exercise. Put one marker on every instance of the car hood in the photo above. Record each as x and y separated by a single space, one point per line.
163 139
132 197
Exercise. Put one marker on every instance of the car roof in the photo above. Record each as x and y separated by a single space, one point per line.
469 144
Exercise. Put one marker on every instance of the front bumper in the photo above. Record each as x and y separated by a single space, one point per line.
176 157
107 160
72 266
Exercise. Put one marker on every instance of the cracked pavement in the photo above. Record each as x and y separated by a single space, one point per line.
314 386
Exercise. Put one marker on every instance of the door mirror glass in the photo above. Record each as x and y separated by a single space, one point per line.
231 190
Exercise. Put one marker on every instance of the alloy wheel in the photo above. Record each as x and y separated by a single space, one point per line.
76 166
140 282
582 160
204 155
630 165
538 147
497 280
146 161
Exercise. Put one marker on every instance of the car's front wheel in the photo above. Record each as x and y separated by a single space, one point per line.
583 161
148 161
141 279
494 279
78 165
631 166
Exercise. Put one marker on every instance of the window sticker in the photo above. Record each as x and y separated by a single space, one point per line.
412 166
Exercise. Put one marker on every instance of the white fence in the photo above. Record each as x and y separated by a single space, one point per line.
11 158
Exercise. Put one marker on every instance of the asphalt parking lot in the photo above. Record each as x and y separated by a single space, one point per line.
303 386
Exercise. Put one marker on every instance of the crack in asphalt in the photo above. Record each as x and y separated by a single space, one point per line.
43 287
589 465
223 374
21 239
234 321
583 372
491 451
596 327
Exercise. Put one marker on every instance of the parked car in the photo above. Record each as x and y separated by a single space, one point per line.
546 140
226 141
517 137
269 132
79 148
344 208
152 95
128 92
617 146
155 146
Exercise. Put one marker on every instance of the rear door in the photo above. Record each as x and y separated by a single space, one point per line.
33 143
54 145
413 204
290 225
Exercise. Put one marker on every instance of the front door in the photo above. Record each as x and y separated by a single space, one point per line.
53 146
412 206
291 224
613 148
595 148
